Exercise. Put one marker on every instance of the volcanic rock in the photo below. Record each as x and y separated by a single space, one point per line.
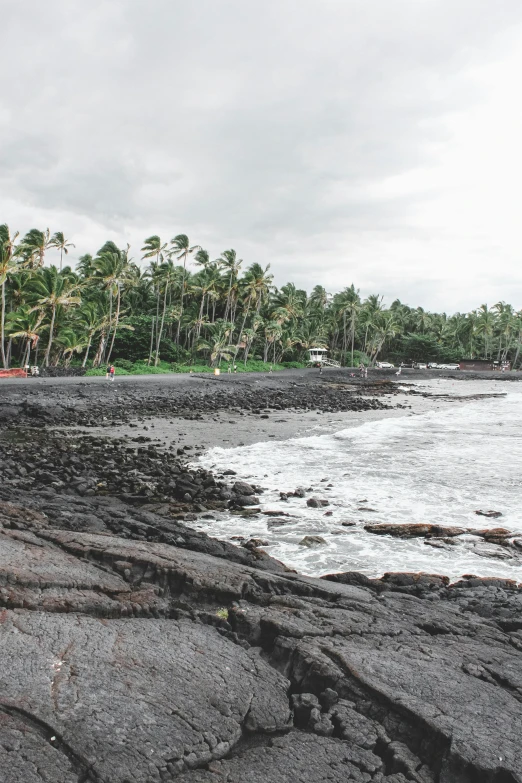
311 541
415 530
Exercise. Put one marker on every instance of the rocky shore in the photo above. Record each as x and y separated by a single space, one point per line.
135 649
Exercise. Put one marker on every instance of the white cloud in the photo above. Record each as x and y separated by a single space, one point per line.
340 140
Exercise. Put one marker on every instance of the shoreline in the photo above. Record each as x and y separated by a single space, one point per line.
136 646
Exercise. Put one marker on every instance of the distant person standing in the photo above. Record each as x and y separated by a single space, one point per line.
108 371
399 370
361 369
112 372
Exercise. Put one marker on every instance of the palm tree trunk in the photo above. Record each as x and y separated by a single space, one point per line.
49 344
513 366
160 333
87 350
27 353
99 353
151 340
102 357
118 301
244 322
182 296
2 328
353 337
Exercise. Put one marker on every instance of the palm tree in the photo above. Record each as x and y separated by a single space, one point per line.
257 284
112 267
291 300
517 328
371 308
33 246
154 248
8 267
182 249
202 259
26 323
53 290
70 343
231 265
386 328
319 299
485 325
60 243
217 343
166 274
348 304
91 319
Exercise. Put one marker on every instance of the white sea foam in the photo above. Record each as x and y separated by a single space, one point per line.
437 467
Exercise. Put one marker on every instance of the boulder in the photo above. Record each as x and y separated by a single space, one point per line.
242 488
311 541
415 530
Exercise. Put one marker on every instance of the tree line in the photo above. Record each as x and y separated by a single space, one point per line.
179 305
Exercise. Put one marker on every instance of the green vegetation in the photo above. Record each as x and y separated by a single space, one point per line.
124 367
176 310
222 613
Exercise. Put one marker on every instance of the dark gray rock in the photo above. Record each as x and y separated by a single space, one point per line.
147 660
242 488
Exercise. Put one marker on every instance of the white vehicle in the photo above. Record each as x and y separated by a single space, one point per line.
449 366
385 366
420 366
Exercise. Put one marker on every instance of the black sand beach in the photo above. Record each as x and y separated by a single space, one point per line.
135 648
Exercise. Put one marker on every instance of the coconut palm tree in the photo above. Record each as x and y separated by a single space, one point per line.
53 290
33 246
70 343
485 325
26 323
348 305
166 275
257 283
112 268
182 249
91 319
217 342
290 300
8 267
60 243
231 264
386 329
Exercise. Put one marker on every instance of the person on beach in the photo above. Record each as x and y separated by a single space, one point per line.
365 372
108 371
361 369
112 372
399 370
229 369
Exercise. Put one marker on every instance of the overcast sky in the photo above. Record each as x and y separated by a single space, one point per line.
377 142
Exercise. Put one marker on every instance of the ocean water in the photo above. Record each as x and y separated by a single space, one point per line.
437 467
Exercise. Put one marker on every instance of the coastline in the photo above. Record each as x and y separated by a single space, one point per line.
137 647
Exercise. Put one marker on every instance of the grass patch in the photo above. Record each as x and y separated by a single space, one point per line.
125 367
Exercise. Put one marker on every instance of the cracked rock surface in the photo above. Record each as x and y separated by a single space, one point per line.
127 660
